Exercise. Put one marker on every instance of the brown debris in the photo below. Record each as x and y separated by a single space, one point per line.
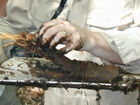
82 70
29 95
2 72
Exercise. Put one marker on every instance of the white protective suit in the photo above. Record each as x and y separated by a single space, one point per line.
119 20
116 20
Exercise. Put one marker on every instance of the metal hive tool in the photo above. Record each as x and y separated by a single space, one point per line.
43 73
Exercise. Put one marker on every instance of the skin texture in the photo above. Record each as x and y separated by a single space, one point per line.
61 31
3 7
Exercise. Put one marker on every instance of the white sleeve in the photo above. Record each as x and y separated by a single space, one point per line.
125 43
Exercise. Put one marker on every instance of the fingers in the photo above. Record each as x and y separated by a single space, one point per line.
73 42
51 32
76 42
49 29
46 26
55 27
60 31
59 38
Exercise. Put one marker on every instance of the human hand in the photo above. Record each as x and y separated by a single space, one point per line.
61 31
75 38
